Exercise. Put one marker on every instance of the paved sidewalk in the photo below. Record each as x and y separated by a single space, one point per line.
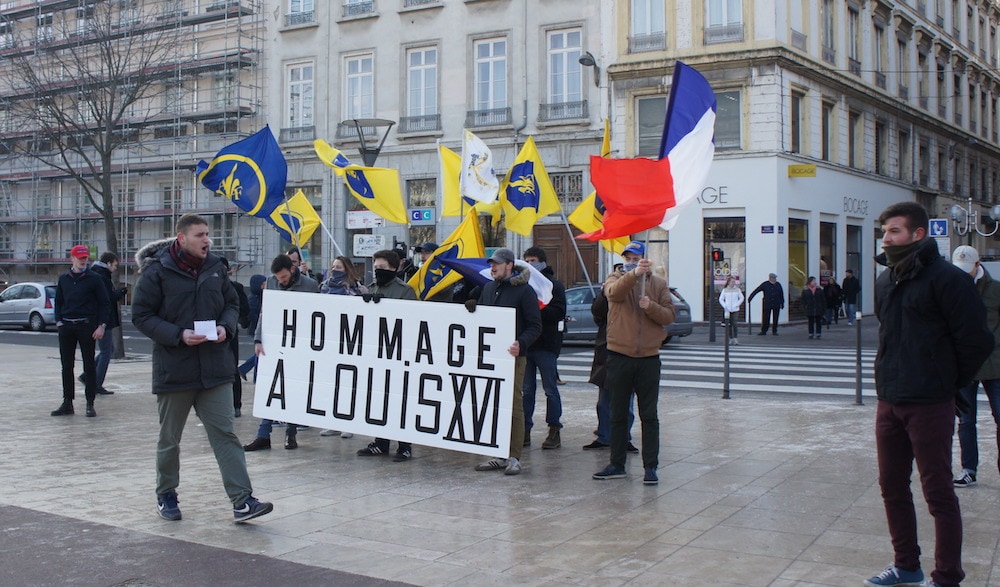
757 490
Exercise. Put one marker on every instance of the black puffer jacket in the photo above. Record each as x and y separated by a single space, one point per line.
933 334
515 292
166 301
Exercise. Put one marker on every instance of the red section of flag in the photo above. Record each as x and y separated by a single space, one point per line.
636 194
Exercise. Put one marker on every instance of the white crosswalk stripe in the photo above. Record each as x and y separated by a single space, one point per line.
751 368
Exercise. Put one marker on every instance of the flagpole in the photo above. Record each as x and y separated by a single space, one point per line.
642 285
576 247
333 240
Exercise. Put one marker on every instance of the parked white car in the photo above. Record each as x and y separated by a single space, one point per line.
31 305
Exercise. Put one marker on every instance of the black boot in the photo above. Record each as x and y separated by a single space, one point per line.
66 409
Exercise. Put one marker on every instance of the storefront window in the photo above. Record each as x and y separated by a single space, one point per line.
729 236
827 252
853 250
798 264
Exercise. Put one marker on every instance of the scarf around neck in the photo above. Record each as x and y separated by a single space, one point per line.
186 263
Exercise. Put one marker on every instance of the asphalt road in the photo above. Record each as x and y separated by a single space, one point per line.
135 342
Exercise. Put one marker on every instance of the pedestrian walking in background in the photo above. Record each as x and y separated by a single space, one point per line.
82 307
851 289
731 298
932 339
966 258
106 267
834 297
814 305
182 283
774 302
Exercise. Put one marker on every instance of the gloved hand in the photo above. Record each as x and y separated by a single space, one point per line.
470 305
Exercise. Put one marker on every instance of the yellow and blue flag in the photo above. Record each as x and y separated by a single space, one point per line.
526 192
251 172
454 203
434 276
589 215
377 188
295 219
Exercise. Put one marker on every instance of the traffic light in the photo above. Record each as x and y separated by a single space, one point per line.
717 255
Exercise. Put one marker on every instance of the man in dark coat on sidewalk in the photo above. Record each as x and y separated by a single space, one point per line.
774 302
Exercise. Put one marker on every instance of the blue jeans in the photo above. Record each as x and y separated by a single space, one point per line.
604 415
106 346
264 429
545 362
851 309
967 436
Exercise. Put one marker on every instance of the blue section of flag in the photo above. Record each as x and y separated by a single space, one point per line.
251 172
684 110
523 191
470 268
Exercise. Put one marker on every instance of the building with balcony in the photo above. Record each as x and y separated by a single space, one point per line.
828 111
504 69
207 92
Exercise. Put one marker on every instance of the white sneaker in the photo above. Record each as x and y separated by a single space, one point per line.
513 467
329 432
736 342
346 435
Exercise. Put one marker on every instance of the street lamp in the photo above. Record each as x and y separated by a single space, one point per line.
370 154
588 60
966 219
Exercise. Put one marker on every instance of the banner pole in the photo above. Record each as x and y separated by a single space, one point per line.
333 240
576 248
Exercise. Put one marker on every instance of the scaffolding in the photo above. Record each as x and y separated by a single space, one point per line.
209 96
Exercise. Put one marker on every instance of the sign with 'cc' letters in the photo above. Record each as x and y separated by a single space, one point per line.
423 372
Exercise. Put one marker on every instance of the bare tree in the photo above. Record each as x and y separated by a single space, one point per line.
85 87
81 85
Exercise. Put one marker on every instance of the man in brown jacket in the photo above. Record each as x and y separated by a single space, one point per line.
639 308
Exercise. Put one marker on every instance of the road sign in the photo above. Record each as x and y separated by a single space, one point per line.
939 227
366 244
363 219
422 216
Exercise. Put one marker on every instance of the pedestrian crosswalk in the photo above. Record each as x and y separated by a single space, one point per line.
787 369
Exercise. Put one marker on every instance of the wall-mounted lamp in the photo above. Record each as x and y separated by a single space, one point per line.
966 219
587 60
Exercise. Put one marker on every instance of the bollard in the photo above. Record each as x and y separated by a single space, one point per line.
725 361
857 366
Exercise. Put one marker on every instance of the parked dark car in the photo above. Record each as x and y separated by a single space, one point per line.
580 322
30 305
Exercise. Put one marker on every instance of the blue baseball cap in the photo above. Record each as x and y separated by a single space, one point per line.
635 247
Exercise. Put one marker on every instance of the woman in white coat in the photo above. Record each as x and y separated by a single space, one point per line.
731 299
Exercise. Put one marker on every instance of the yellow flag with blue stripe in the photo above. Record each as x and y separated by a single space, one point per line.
377 188
527 193
296 220
434 276
454 203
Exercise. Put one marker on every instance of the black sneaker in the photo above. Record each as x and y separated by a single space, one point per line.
91 412
401 456
597 444
291 443
64 410
81 379
968 479
372 450
102 391
631 448
166 505
251 508
650 477
610 472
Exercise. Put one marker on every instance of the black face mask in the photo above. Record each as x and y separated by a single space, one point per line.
384 277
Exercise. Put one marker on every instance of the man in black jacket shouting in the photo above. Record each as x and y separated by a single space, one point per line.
932 339
186 304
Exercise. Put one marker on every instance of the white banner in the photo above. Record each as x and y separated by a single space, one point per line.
423 372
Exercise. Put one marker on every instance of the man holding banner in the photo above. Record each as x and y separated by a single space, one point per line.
511 290
388 285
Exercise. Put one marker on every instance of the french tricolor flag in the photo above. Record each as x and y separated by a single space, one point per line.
641 193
